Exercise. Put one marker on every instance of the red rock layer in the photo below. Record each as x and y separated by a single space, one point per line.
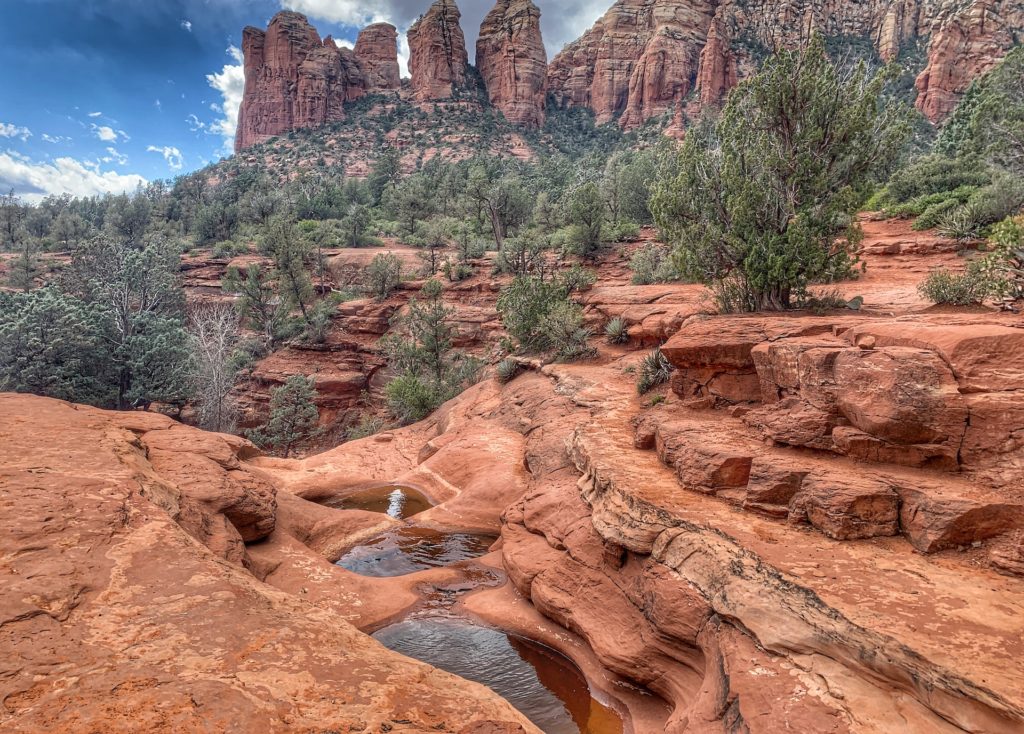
438 59
293 80
645 56
377 52
512 61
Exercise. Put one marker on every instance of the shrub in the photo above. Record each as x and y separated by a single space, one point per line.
410 398
934 174
383 275
507 370
963 223
368 425
944 287
623 231
524 303
1003 267
655 370
652 264
933 215
616 331
578 279
562 330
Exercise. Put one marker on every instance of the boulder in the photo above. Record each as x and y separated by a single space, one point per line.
848 508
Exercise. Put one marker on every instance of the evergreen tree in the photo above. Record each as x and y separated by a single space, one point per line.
293 417
765 193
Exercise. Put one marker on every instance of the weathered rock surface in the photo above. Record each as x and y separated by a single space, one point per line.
293 80
644 57
438 59
115 619
512 61
377 52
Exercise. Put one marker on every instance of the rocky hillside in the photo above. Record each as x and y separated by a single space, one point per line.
643 59
817 526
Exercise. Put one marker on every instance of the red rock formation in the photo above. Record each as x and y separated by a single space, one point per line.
645 56
438 58
377 52
967 41
293 80
512 61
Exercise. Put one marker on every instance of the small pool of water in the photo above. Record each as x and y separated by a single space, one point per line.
397 502
410 549
545 686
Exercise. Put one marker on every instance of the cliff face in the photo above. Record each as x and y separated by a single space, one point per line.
293 80
512 61
646 56
377 52
438 58
643 59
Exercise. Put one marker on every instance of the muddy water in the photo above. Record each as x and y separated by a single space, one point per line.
398 502
410 549
542 684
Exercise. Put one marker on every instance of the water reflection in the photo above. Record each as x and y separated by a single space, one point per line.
410 549
546 687
398 502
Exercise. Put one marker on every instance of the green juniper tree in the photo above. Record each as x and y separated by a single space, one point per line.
429 371
765 195
293 420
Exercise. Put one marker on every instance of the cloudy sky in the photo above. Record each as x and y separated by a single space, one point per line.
100 95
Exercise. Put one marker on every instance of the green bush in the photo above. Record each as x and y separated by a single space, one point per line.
623 231
410 398
933 215
562 331
1003 267
616 331
963 223
946 288
507 370
524 303
655 370
933 174
577 279
652 264
384 275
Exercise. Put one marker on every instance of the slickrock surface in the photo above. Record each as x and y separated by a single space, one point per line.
377 52
126 607
438 59
645 56
293 80
511 59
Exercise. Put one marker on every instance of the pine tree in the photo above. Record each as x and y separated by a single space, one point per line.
293 417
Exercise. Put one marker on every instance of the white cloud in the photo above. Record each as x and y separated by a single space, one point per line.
195 124
55 138
115 156
171 155
34 180
95 114
158 104
186 25
104 133
230 82
13 131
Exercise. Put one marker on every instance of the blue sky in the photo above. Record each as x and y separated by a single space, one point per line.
100 95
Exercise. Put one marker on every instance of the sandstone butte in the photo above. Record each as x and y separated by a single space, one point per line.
512 61
642 59
817 526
